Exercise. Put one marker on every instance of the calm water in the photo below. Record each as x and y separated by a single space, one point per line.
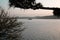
41 29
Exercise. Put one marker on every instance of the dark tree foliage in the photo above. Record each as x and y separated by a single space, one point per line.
26 4
56 12
10 29
37 6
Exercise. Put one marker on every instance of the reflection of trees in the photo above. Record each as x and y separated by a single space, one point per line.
26 4
10 29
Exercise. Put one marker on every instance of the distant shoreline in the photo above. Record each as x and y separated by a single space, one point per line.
36 17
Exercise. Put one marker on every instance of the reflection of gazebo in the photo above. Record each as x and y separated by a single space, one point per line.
29 18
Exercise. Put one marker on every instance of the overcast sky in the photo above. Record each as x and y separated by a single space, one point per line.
30 12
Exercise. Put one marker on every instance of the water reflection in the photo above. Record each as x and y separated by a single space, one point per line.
42 29
36 29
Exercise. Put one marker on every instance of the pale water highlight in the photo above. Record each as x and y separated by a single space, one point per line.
41 29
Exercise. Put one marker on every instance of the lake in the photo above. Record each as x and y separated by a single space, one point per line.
41 29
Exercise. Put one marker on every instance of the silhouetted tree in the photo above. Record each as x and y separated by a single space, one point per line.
26 4
9 27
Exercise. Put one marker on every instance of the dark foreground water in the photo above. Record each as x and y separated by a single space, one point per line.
41 29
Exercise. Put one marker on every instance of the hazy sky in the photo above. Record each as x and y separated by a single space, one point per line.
30 12
50 3
4 3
